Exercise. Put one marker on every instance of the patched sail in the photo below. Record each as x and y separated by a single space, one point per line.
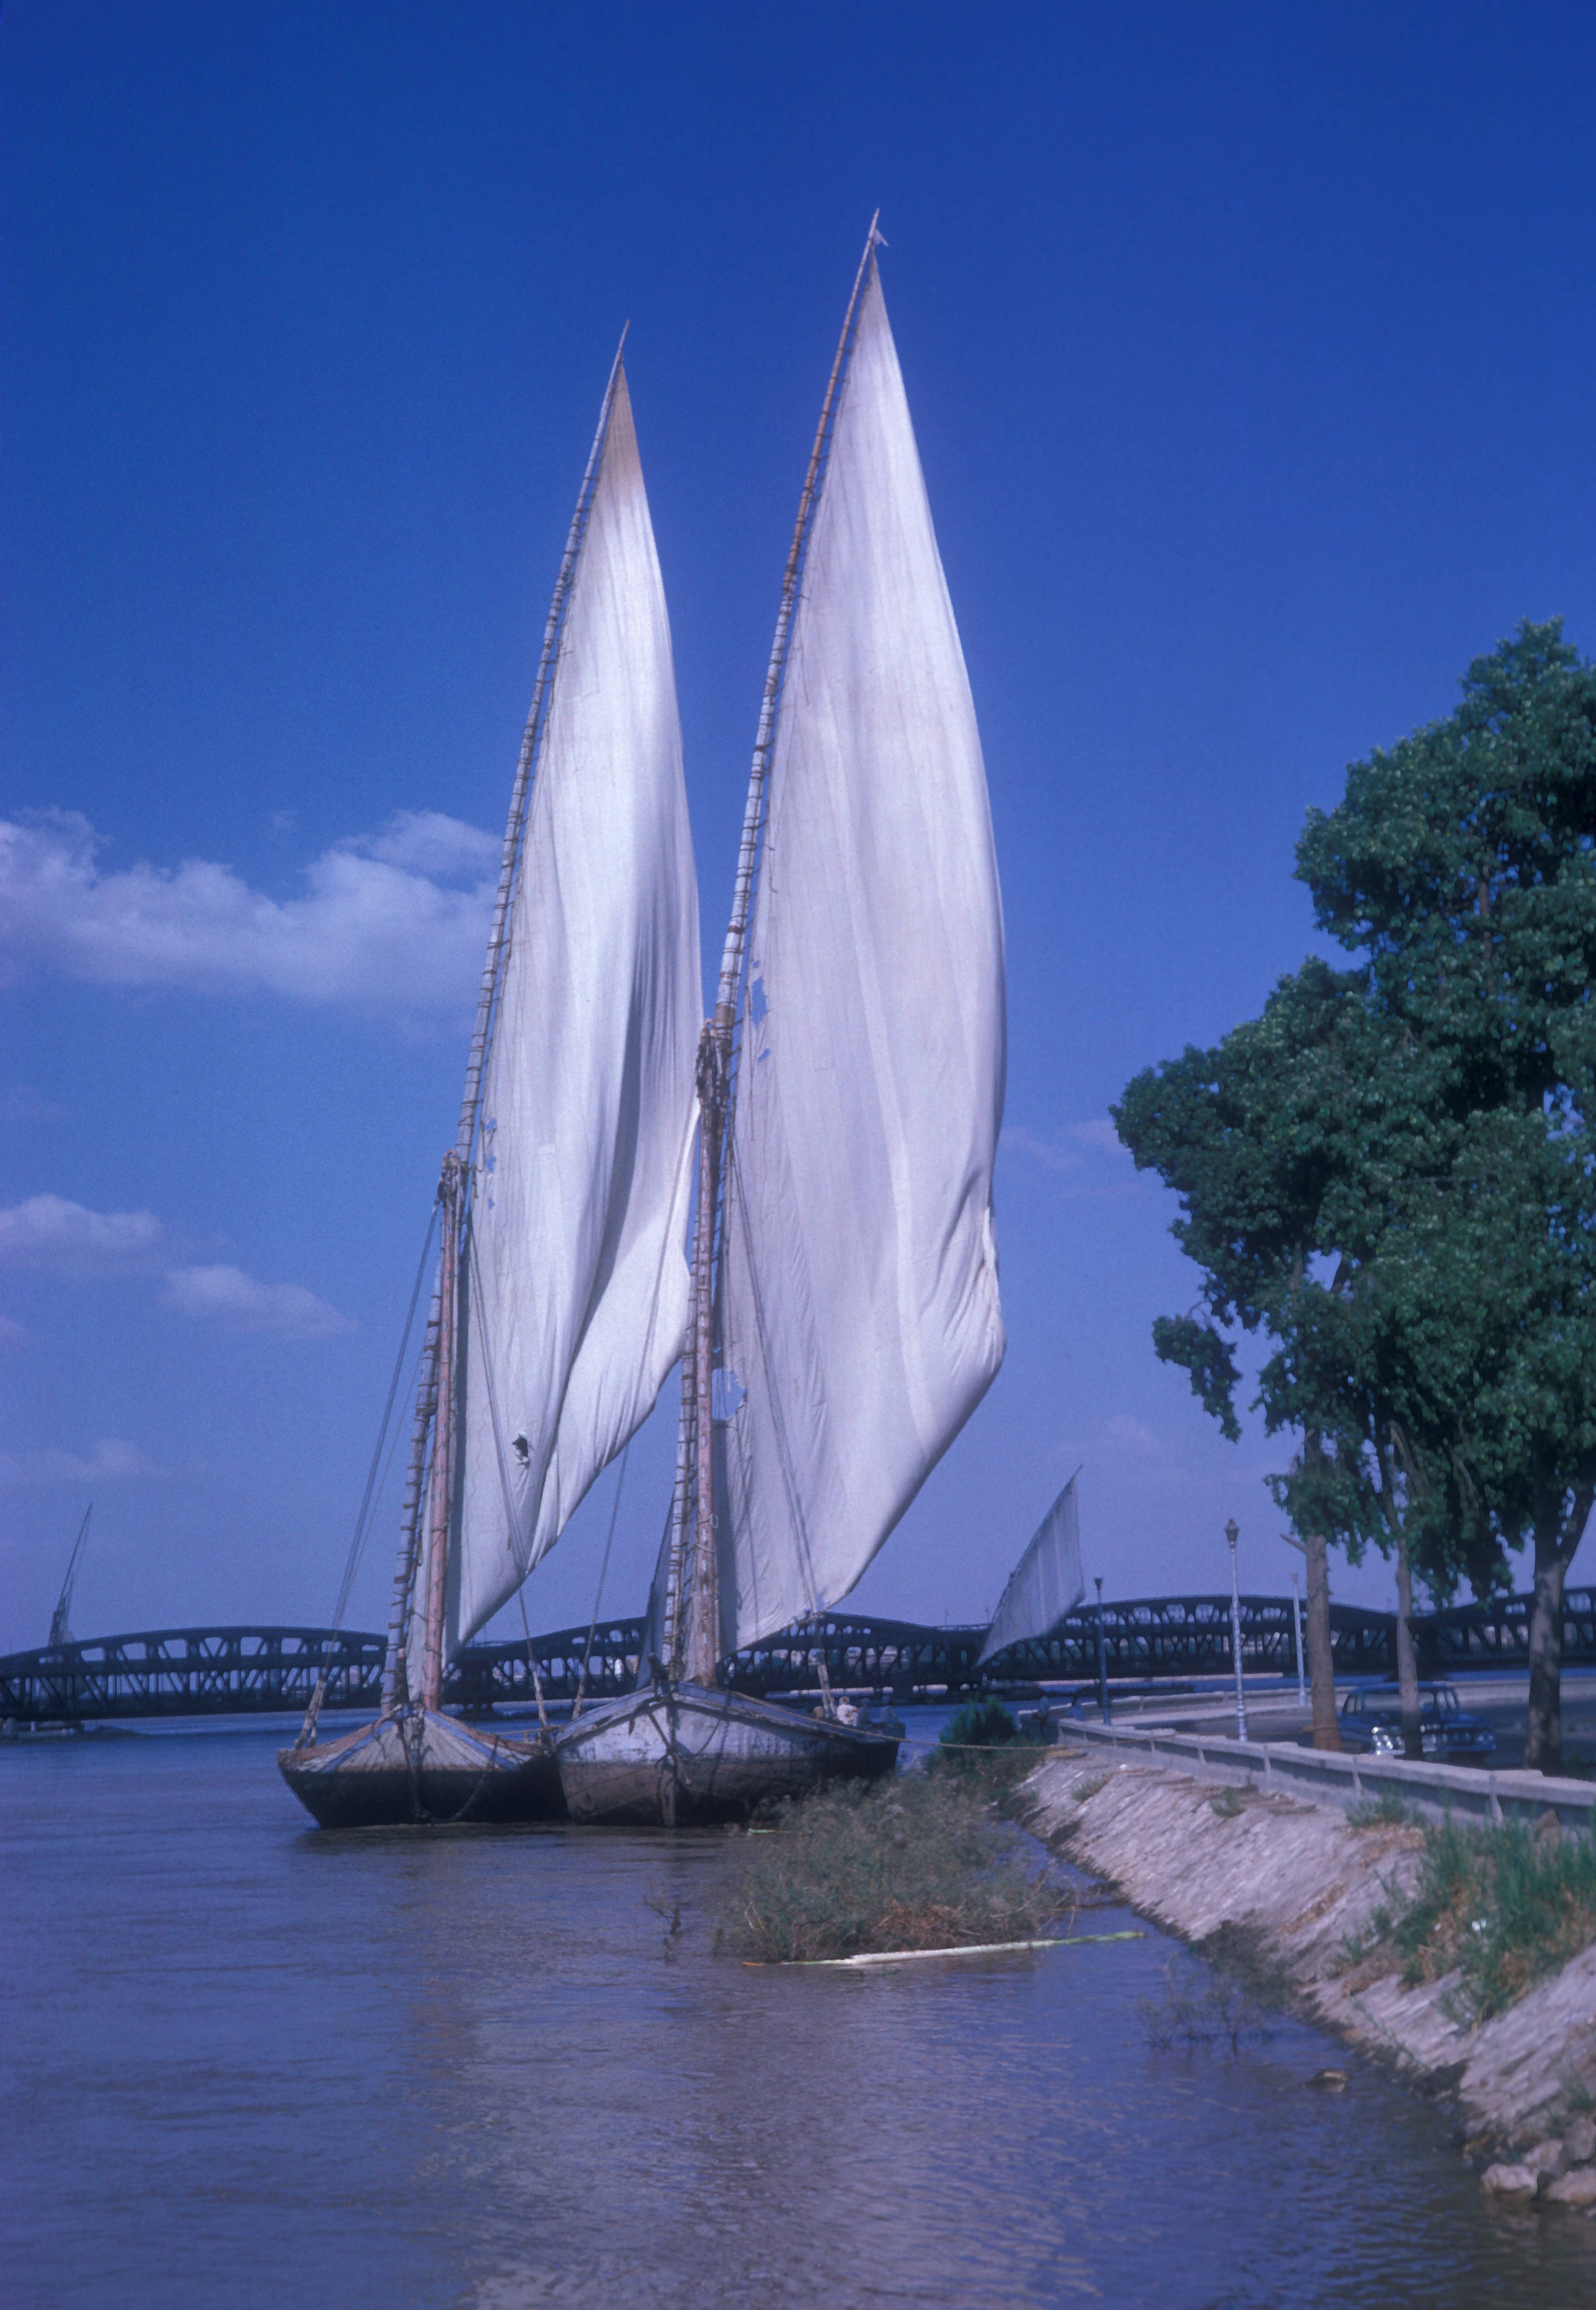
573 1283
858 1318
1046 1583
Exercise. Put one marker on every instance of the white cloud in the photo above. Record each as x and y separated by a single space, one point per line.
13 1335
392 922
1048 1152
1068 1150
53 1236
1100 1135
111 1460
57 1238
1124 1433
446 850
238 1303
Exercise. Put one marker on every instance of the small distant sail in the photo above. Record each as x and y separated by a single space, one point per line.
859 1324
61 1618
1045 1584
573 1283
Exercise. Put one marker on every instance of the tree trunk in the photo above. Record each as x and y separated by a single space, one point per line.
1327 1732
1407 1659
1556 1540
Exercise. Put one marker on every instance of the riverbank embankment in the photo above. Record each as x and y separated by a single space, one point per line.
1301 1884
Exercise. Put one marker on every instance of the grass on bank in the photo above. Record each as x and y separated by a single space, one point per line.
1503 1907
915 1862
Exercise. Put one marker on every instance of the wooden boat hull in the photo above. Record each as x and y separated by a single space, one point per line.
677 1757
423 1767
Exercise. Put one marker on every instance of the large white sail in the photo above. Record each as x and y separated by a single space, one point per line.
1045 1584
858 1323
574 1283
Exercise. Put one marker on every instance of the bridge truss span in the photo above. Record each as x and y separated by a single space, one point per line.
246 1671
191 1672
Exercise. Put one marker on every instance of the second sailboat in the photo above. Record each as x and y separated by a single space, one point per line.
844 1302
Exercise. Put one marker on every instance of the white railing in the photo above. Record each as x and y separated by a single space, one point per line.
1431 1791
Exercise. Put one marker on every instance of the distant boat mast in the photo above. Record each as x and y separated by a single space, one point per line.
61 1618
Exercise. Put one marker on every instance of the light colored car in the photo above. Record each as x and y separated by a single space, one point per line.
1372 1719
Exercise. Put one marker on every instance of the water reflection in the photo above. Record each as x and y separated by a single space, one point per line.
480 2069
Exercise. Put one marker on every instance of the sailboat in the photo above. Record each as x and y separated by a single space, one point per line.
561 1290
1046 1583
846 1319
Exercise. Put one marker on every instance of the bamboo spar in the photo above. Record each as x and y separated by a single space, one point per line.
717 1081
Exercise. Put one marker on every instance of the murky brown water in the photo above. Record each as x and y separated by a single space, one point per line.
247 2065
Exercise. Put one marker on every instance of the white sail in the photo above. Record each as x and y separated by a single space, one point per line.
573 1283
1045 1584
858 1321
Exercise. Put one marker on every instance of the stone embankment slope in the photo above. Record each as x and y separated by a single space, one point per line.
1302 1883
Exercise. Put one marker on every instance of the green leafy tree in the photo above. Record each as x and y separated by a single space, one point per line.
1289 1146
1388 1176
1461 865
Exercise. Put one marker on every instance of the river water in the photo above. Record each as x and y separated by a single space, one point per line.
246 2064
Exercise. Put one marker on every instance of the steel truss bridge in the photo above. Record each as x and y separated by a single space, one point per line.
248 1671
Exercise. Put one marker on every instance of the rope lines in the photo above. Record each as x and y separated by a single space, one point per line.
377 1476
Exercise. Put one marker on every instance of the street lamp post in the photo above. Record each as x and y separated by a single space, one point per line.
1232 1533
1302 1689
1102 1660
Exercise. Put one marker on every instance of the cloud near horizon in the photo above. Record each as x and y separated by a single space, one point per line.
242 1305
1067 1149
53 1236
393 922
112 1460
46 1234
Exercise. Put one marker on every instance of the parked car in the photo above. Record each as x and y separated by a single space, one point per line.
1372 1718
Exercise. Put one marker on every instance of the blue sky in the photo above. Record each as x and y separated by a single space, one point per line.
1250 351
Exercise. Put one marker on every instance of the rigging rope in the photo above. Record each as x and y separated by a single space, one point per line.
376 1479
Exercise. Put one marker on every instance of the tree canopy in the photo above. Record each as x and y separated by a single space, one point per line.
1388 1175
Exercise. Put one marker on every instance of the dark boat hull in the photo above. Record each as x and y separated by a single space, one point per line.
677 1757
423 1767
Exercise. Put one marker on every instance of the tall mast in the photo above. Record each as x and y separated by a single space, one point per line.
440 1482
701 1649
436 1385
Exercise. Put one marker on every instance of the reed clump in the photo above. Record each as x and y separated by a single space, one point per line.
1502 1908
916 1863
982 1744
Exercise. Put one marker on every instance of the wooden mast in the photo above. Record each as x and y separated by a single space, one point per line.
435 1410
441 1480
700 1647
